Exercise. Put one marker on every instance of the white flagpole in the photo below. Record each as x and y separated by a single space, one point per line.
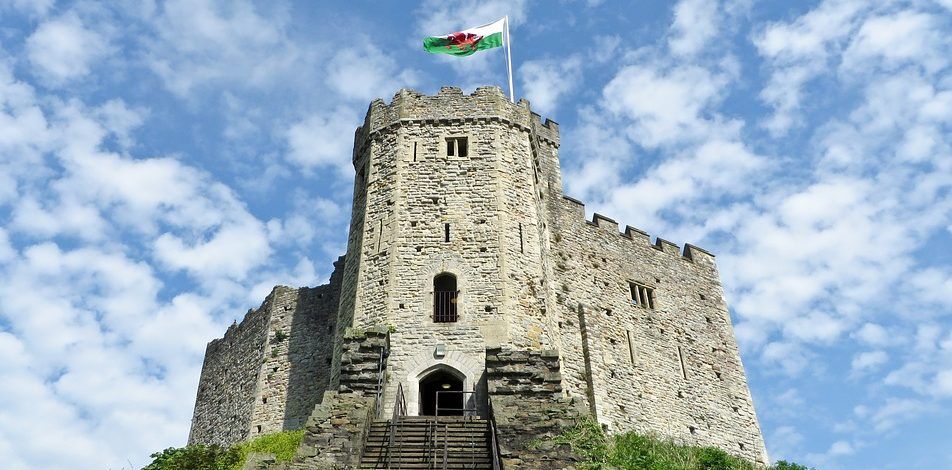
512 94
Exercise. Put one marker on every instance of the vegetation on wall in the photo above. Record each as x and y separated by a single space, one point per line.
633 451
282 445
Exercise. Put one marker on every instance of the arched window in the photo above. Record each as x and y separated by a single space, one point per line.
445 296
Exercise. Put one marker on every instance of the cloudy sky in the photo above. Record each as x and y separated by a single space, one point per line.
164 164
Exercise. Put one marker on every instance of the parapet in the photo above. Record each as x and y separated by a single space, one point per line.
451 106
690 252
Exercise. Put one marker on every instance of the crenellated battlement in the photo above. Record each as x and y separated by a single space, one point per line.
451 107
690 252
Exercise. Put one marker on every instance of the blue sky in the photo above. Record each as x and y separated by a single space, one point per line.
164 164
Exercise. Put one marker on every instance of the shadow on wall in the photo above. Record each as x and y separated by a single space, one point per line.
310 350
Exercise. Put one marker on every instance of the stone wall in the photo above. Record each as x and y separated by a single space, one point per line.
296 365
672 370
530 410
338 425
269 371
226 389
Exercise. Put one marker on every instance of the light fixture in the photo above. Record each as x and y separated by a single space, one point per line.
440 351
446 386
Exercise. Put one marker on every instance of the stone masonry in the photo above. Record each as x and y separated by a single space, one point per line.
633 332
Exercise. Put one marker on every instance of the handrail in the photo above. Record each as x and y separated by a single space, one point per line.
446 440
494 442
381 377
399 410
466 411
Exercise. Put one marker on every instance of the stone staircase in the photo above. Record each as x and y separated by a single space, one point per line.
423 442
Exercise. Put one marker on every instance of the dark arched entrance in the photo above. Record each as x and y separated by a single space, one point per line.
450 404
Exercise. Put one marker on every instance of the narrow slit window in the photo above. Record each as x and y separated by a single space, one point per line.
379 234
522 246
641 295
684 370
631 347
446 232
456 147
414 151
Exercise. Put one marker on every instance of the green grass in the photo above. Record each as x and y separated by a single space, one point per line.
198 457
632 451
282 444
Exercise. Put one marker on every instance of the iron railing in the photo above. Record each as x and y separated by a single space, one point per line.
444 306
493 441
381 378
465 410
399 411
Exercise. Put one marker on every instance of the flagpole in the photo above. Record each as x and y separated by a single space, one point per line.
512 95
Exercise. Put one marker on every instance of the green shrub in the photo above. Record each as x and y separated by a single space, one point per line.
784 465
710 458
279 336
282 444
631 451
198 457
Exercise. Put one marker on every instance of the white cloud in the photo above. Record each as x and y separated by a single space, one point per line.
93 336
546 81
436 17
63 49
605 48
890 40
873 335
324 140
895 412
791 357
200 43
784 442
814 327
32 8
365 73
868 361
215 256
798 51
665 105
695 24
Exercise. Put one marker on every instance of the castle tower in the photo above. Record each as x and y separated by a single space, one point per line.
446 237
487 280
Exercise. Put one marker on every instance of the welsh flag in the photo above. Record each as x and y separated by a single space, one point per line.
468 41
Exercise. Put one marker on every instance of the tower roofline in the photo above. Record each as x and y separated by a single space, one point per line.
451 106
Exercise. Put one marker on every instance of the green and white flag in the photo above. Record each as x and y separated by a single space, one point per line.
468 41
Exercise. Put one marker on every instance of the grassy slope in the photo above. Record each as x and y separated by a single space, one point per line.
636 452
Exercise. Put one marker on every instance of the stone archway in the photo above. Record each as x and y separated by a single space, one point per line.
465 367
441 392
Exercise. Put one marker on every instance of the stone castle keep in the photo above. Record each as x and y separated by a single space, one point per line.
468 270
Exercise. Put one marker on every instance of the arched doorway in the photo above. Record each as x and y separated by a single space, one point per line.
441 380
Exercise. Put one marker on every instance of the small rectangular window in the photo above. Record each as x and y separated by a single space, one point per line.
446 232
641 295
456 147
